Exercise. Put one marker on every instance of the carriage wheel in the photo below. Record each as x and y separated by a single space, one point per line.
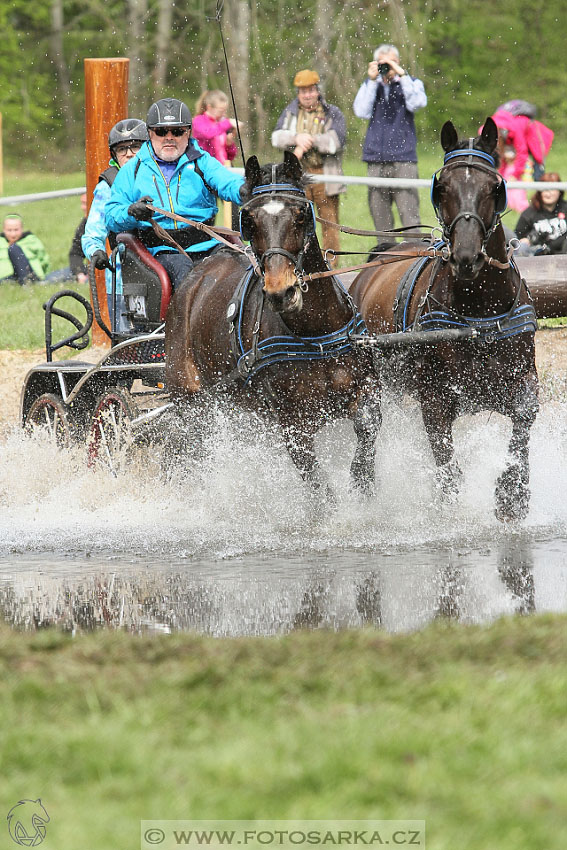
110 435
49 415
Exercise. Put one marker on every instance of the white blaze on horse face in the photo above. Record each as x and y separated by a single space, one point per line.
273 207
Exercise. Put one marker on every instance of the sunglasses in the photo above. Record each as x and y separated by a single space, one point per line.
175 131
128 146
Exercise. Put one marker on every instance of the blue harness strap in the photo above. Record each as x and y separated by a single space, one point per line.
288 348
521 318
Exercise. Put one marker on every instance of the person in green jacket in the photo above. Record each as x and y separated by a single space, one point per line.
22 255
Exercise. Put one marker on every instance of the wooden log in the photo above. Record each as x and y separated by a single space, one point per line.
547 280
106 103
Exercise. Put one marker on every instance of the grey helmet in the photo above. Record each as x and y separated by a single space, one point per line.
168 112
128 130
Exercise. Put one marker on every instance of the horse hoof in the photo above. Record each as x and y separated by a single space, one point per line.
512 495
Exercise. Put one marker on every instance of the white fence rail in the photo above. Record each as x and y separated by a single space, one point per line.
400 182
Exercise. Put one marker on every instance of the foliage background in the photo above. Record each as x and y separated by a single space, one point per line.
471 54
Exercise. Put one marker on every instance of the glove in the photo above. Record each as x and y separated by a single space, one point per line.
100 260
139 209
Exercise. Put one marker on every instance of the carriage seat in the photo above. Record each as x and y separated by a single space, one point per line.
145 283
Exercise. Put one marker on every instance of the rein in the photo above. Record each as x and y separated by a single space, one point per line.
213 232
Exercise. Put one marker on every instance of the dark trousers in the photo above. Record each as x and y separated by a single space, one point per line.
179 265
23 272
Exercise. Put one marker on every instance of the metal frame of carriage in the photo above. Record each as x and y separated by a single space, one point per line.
79 400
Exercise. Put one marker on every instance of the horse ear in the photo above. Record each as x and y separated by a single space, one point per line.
489 135
252 171
292 167
449 137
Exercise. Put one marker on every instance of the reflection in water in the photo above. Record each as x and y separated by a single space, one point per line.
264 595
238 545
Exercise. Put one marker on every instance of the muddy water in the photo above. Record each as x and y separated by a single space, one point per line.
237 545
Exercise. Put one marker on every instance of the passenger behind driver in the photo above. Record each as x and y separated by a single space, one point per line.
124 141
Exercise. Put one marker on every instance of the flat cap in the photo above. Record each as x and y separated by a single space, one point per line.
306 78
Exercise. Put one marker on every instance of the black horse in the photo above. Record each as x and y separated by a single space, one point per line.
471 282
276 343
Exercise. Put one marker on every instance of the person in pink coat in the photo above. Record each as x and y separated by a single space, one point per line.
213 131
529 138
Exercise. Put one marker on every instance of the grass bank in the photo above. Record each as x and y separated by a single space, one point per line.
461 726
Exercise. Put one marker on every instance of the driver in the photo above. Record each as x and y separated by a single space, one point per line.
171 172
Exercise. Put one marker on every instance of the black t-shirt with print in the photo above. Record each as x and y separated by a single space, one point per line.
545 227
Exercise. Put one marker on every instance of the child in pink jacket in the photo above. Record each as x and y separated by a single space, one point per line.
212 129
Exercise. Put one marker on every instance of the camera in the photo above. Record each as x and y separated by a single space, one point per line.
383 68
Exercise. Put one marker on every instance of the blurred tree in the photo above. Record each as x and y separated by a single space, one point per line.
471 54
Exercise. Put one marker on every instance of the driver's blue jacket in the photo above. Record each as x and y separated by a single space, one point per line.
185 194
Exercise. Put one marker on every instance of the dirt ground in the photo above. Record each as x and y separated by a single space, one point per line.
551 354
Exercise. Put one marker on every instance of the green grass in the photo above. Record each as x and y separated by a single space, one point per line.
22 324
461 726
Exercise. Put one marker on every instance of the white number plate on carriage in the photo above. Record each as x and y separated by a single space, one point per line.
137 305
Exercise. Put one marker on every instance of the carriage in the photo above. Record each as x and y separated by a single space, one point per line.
106 401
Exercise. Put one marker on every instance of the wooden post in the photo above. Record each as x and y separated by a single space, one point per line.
106 103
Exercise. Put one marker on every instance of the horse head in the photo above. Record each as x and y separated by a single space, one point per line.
468 195
279 222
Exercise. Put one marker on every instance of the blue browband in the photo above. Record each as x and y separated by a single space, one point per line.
277 187
469 152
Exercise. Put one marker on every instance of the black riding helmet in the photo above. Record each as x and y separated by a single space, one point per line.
168 112
127 130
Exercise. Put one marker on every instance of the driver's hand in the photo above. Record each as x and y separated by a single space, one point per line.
139 210
100 260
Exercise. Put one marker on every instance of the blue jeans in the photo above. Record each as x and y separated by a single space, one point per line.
23 271
178 265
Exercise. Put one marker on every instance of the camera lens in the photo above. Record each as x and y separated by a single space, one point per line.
383 68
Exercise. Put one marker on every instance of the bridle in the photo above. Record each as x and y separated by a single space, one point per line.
285 192
470 153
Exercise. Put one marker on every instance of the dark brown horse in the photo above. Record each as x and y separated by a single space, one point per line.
273 342
471 283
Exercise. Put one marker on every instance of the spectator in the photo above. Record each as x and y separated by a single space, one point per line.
77 263
124 141
542 227
22 255
212 129
76 270
388 98
530 139
316 133
171 171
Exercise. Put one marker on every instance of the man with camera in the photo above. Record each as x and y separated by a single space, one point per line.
388 99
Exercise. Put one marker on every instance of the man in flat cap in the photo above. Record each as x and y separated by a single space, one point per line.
315 132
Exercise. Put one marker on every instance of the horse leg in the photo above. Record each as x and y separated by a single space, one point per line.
512 487
301 447
367 421
438 417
